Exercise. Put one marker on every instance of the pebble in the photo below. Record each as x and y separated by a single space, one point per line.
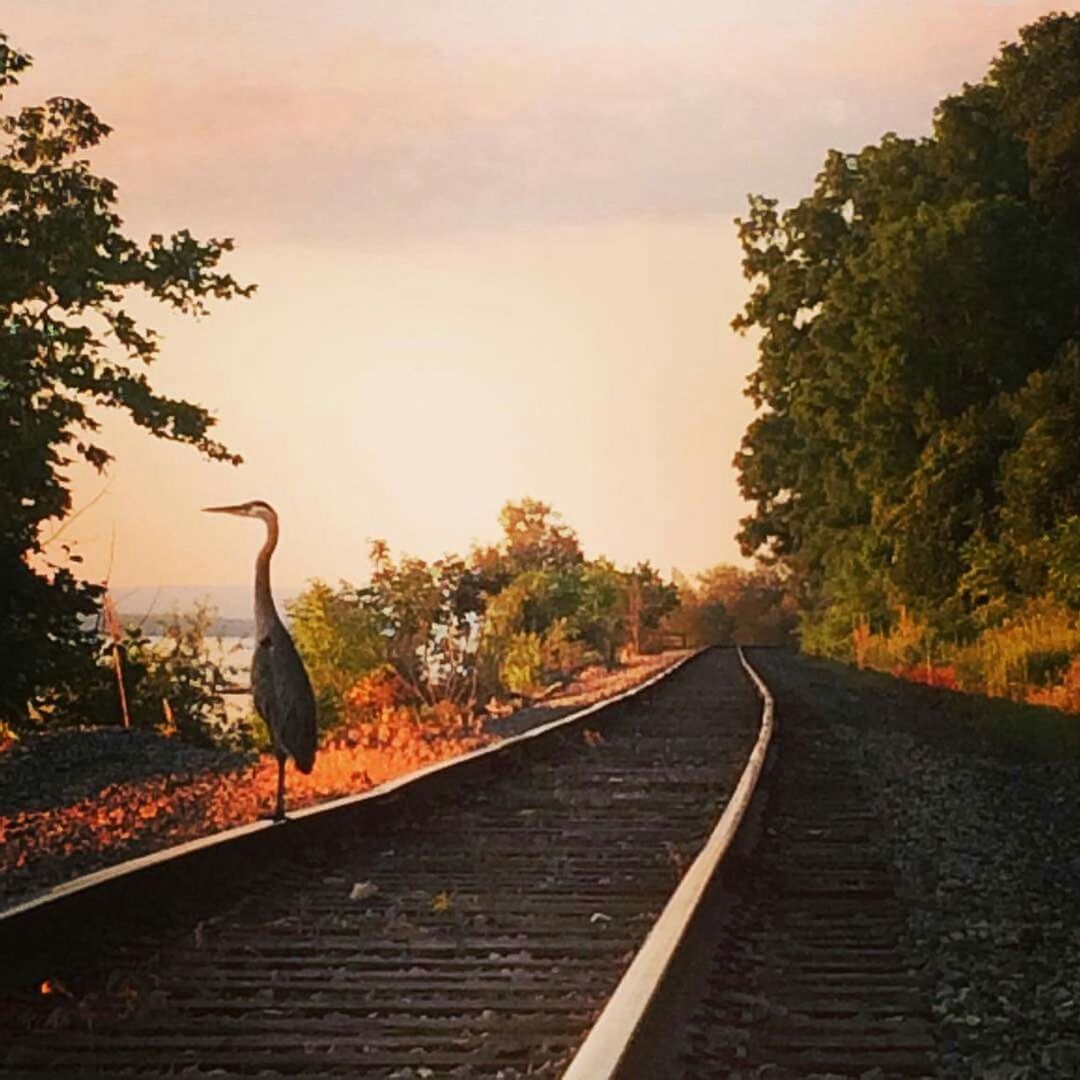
985 840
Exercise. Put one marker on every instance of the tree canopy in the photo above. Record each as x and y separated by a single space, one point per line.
917 377
513 618
69 349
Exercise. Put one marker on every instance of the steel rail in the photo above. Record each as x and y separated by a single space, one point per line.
550 863
605 1047
257 833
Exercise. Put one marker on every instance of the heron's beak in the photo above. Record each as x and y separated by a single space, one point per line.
224 509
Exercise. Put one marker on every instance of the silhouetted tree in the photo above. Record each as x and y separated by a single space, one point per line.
67 346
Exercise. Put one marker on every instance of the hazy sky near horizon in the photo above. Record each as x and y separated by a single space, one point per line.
494 247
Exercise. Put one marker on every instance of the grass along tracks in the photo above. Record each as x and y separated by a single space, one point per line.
76 801
470 926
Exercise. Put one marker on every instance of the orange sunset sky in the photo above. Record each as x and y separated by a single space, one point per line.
494 247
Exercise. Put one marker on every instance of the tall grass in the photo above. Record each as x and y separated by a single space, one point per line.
1028 653
1033 657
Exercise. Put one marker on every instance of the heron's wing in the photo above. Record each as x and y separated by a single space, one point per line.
294 700
263 689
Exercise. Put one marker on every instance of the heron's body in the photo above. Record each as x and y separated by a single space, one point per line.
288 699
279 682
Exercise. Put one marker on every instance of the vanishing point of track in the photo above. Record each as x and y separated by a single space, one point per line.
471 923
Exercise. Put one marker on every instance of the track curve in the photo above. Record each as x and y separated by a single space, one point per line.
808 974
470 926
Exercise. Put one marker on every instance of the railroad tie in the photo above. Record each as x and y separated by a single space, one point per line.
473 933
810 977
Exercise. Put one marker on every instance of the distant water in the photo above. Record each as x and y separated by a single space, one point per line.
228 601
234 655
230 640
233 652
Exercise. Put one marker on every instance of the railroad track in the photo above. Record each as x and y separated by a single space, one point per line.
808 975
472 922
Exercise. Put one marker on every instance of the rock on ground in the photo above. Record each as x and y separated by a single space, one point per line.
987 839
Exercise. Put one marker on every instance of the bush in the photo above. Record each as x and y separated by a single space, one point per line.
173 685
1048 667
561 653
377 714
376 692
1041 635
339 641
1033 656
522 668
176 683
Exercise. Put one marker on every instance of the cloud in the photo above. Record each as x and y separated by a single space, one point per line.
260 125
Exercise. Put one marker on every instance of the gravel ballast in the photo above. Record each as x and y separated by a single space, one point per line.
78 799
986 838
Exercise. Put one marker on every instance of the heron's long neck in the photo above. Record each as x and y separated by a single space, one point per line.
265 612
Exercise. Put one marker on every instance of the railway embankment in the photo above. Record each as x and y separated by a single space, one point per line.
470 923
978 806
77 800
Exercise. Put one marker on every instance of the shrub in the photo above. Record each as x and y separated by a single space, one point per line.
561 653
1033 655
522 667
339 641
173 685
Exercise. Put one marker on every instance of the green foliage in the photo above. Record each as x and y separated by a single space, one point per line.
1047 667
1064 563
919 367
182 670
716 625
648 599
173 684
727 605
1029 656
512 619
541 593
68 343
1024 649
534 540
562 654
339 641
503 620
522 664
600 618
426 614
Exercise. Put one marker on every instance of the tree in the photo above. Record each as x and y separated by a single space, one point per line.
726 604
648 599
532 582
340 642
909 307
524 630
600 618
68 349
427 615
533 540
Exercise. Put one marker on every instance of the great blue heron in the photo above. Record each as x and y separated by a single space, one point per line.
279 683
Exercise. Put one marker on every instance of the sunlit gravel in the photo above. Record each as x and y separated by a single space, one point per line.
73 801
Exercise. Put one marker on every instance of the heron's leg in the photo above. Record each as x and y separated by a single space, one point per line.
279 809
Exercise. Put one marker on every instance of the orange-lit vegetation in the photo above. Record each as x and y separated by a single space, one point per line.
408 670
727 604
159 811
8 737
1032 656
380 739
511 621
381 731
